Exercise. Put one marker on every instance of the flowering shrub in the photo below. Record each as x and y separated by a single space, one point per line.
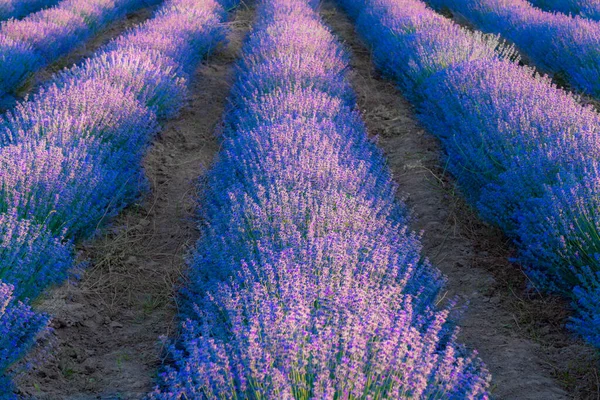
20 8
71 157
563 45
523 151
19 327
41 38
306 282
585 8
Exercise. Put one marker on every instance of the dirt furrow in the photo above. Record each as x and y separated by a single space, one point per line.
108 323
519 334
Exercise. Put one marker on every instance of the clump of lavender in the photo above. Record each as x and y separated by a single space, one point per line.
306 282
44 36
585 8
19 327
558 43
522 150
20 8
31 257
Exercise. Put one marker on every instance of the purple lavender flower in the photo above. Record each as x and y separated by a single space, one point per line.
20 8
19 327
558 43
43 37
585 8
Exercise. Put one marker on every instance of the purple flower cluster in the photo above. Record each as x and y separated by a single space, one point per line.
20 8
560 44
28 44
585 8
307 283
524 152
19 327
71 157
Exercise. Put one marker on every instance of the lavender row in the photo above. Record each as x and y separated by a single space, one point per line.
524 152
559 44
71 157
20 8
585 8
29 44
306 283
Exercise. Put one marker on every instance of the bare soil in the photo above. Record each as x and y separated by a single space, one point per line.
107 324
519 334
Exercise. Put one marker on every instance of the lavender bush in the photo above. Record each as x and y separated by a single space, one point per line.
523 151
585 8
559 44
31 43
19 327
307 283
20 8
71 157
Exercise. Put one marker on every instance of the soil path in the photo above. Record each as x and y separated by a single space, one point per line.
520 335
108 324
81 52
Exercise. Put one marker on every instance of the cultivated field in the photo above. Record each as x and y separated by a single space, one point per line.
299 199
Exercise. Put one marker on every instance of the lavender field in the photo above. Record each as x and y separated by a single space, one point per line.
299 199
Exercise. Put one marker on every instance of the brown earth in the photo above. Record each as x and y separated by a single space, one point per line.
519 334
107 325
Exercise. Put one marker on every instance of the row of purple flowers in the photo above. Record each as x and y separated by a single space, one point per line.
524 152
306 282
41 38
20 8
71 157
585 8
562 45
